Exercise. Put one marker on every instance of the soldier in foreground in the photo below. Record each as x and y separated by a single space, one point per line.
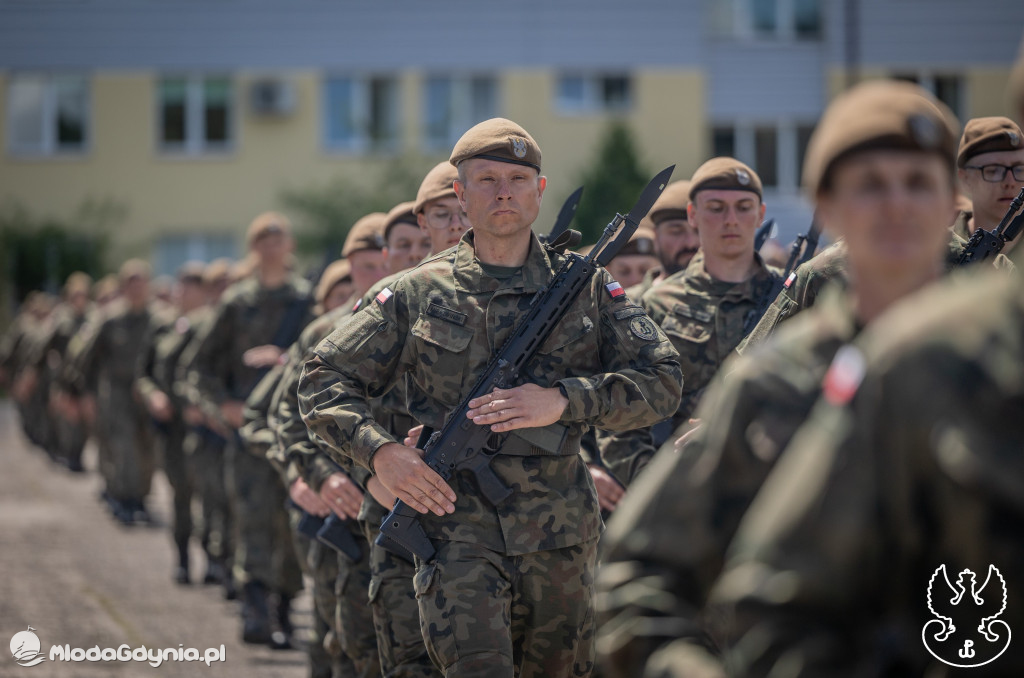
880 170
440 324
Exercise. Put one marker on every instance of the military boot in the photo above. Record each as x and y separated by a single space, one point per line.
281 635
181 573
255 614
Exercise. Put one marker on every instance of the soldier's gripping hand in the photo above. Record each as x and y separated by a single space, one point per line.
376 488
403 472
307 498
526 406
342 495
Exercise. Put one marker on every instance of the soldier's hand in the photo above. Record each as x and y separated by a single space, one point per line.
413 436
193 416
404 473
380 493
342 495
681 441
307 498
609 492
232 411
258 357
159 406
525 406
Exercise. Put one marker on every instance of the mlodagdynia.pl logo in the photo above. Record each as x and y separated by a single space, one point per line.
26 650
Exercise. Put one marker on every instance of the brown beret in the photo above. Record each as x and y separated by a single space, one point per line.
725 174
134 268
984 135
265 224
336 272
104 287
672 202
400 214
365 234
879 114
641 242
217 270
192 271
77 282
436 185
497 139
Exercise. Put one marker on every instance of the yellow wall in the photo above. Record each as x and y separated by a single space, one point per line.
211 194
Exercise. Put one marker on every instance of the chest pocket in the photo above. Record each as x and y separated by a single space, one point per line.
690 330
690 323
570 350
443 356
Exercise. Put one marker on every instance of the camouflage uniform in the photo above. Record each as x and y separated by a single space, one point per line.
667 542
54 355
918 467
250 315
704 318
109 360
527 565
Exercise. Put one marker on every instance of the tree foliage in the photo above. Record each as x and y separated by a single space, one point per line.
612 182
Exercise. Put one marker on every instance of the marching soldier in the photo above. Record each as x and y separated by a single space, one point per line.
440 325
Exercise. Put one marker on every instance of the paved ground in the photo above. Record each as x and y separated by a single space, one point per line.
79 579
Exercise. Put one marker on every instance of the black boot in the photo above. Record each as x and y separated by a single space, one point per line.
281 636
181 574
214 572
255 614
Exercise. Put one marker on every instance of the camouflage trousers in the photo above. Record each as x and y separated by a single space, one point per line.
353 621
264 551
71 437
396 615
204 456
171 445
492 615
130 442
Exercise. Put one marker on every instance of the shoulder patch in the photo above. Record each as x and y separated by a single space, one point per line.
643 328
384 295
628 312
448 314
844 376
359 302
789 280
615 290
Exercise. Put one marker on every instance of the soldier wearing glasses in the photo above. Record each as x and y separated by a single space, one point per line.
991 171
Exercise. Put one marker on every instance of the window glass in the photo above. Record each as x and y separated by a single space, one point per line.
216 109
766 155
341 124
25 113
173 109
72 106
723 142
807 18
762 16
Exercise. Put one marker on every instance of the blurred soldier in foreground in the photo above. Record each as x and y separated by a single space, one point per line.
257 318
879 167
440 324
900 495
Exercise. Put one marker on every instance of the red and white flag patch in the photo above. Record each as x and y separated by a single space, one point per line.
615 289
844 376
790 279
384 295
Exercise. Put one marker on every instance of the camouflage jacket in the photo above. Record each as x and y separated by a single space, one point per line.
917 467
115 348
248 315
667 540
165 344
440 325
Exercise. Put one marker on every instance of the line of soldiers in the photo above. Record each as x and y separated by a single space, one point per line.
298 426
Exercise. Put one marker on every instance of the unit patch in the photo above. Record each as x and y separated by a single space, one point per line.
642 327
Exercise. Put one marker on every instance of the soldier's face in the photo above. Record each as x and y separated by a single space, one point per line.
677 242
726 222
444 221
274 249
338 295
991 199
407 246
367 268
630 269
500 199
892 208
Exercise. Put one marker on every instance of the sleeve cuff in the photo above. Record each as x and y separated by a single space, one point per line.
579 393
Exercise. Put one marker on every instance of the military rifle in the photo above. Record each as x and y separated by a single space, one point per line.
461 445
800 253
765 231
987 244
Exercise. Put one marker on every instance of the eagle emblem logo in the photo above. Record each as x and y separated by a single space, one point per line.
518 147
977 637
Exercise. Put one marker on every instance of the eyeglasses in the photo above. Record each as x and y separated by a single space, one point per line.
996 173
441 218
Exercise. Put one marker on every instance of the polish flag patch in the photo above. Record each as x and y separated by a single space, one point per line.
615 289
359 302
790 279
844 376
384 295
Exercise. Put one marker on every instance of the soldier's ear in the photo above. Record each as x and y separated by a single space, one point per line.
542 183
460 193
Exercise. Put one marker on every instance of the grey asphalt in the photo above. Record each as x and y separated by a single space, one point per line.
82 580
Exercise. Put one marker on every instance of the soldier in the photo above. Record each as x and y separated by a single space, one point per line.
991 170
30 387
406 244
910 463
705 309
637 258
155 383
879 168
255 321
108 382
440 324
675 238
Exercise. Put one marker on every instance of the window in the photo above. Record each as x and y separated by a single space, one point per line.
774 149
787 19
196 114
454 104
171 251
361 114
947 88
47 114
579 93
